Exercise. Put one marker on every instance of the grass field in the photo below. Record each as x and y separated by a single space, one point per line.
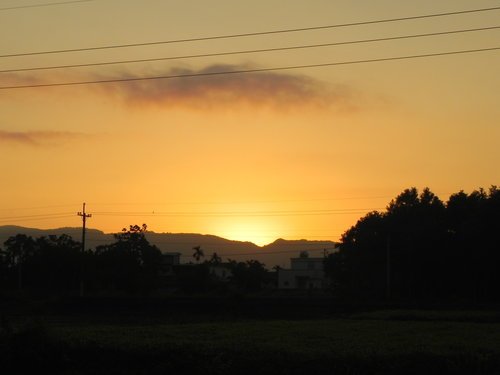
368 337
382 342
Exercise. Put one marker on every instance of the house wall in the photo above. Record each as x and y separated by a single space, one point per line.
306 273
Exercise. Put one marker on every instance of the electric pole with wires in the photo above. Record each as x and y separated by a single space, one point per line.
84 216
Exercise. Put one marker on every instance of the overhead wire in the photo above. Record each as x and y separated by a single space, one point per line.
239 202
236 213
240 35
202 202
13 209
290 244
9 220
34 216
269 252
246 202
197 214
244 71
45 4
240 52
35 207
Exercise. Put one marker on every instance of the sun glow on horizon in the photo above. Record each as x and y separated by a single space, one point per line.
290 154
261 231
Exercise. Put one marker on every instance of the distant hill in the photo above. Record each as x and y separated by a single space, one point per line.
94 237
277 253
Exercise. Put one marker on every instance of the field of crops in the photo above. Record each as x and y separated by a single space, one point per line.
385 342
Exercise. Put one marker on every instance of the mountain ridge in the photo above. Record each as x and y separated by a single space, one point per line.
275 253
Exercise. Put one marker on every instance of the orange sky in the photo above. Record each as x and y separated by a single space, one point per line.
295 153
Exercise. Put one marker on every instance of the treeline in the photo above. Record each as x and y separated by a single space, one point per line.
422 249
131 265
57 263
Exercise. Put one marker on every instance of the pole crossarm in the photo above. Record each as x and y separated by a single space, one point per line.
84 216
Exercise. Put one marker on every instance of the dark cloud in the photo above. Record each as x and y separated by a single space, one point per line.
261 88
20 79
37 138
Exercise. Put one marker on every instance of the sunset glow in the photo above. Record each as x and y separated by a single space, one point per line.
299 153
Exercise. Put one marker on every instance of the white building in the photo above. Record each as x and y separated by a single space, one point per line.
305 273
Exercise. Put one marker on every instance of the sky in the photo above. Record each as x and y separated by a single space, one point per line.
293 153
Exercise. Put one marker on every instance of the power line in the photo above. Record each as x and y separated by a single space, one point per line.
177 244
239 215
46 4
209 202
198 214
239 202
226 212
205 202
236 213
209 243
269 252
37 218
243 71
269 32
33 216
36 208
249 51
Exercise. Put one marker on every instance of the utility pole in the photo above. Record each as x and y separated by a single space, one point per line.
388 268
84 216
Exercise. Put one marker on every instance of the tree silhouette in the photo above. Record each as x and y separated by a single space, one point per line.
56 263
198 253
248 275
18 250
215 259
421 249
47 263
131 263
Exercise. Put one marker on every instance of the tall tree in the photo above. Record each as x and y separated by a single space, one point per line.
56 263
18 250
198 253
131 263
421 249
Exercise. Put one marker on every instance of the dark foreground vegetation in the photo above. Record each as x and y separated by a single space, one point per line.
384 342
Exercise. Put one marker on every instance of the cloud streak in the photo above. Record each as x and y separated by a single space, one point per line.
37 138
20 79
276 89
218 86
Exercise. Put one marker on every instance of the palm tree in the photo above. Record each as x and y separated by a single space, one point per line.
198 253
